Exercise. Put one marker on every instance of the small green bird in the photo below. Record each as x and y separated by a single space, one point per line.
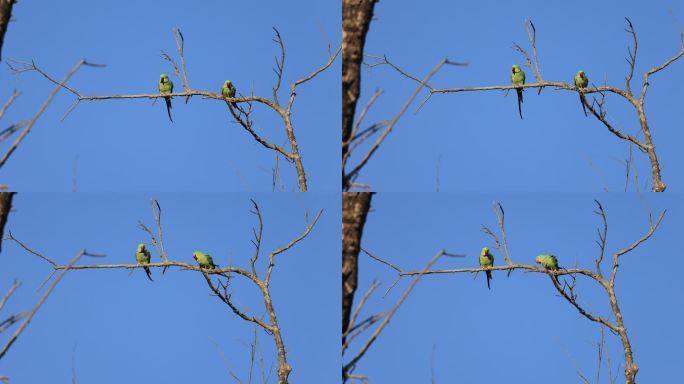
142 256
547 261
166 87
228 90
486 261
204 260
581 81
518 78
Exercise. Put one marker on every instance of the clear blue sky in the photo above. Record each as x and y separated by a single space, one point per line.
482 142
520 331
130 145
127 329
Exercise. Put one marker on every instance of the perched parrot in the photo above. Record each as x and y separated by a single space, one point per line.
487 260
204 260
142 256
547 261
166 86
581 81
518 78
228 90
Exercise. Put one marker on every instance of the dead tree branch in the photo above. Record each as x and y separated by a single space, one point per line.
637 102
353 141
242 115
42 108
35 309
220 288
348 368
567 288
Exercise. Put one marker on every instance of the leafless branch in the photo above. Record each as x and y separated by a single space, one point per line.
387 263
567 287
601 242
15 284
35 309
359 306
349 177
349 367
219 289
9 102
240 114
272 255
257 236
598 107
42 108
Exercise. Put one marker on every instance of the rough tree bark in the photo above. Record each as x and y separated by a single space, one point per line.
5 16
356 18
355 206
5 206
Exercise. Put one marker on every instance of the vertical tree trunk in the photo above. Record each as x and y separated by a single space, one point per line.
356 18
5 16
355 206
5 206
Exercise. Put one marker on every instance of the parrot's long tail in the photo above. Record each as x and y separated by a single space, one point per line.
583 101
489 277
520 101
149 273
168 107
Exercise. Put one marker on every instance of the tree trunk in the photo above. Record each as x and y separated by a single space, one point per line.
356 18
5 206
5 16
355 206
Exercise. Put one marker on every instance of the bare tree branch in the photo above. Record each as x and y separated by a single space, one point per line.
35 309
349 367
42 108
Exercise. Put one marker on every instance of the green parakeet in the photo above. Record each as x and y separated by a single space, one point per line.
487 260
142 256
581 81
204 260
228 90
547 261
166 86
518 78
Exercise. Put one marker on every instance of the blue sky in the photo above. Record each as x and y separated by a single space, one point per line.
520 331
481 141
125 328
130 145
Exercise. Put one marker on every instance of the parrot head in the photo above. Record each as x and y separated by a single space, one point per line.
515 68
226 84
538 259
194 255
141 247
580 73
164 78
485 251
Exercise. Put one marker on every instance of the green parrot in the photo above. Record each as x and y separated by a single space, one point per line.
581 81
518 78
166 86
142 256
204 260
228 90
487 260
547 261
